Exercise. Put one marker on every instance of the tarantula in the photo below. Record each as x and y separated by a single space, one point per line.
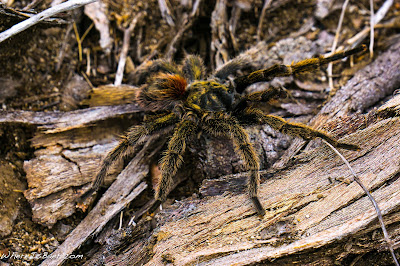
184 99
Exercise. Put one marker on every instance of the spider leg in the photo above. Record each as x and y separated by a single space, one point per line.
255 116
260 96
193 68
229 126
135 135
172 159
238 63
163 65
303 66
140 74
266 95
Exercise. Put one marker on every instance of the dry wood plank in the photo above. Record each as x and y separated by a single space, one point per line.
111 95
391 107
370 85
62 121
127 186
70 168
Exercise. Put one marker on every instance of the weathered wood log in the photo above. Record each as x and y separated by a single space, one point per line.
305 210
308 211
68 152
127 186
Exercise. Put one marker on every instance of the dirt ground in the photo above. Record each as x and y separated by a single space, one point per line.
50 68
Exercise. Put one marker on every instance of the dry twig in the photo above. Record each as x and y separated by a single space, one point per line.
125 48
379 15
166 13
267 3
377 209
219 41
371 42
336 40
63 48
186 23
72 4
235 16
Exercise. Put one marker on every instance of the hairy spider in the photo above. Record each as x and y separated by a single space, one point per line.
185 100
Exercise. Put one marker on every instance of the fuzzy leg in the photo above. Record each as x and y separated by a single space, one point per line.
307 65
134 136
229 126
193 68
266 95
293 129
172 159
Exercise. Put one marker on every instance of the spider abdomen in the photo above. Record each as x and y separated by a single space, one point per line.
209 96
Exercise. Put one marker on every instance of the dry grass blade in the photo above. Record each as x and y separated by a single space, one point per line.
371 44
377 209
267 3
379 15
125 49
336 40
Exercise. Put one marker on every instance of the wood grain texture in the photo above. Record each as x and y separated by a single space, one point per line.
69 150
305 210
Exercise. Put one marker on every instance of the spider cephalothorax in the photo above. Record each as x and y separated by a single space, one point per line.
190 103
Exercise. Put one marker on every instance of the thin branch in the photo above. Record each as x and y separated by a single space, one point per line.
63 48
235 16
32 4
379 15
71 4
87 52
87 80
371 43
335 41
125 48
267 3
166 13
219 43
377 209
121 216
187 22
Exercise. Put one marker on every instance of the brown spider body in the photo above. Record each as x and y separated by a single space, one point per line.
190 103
